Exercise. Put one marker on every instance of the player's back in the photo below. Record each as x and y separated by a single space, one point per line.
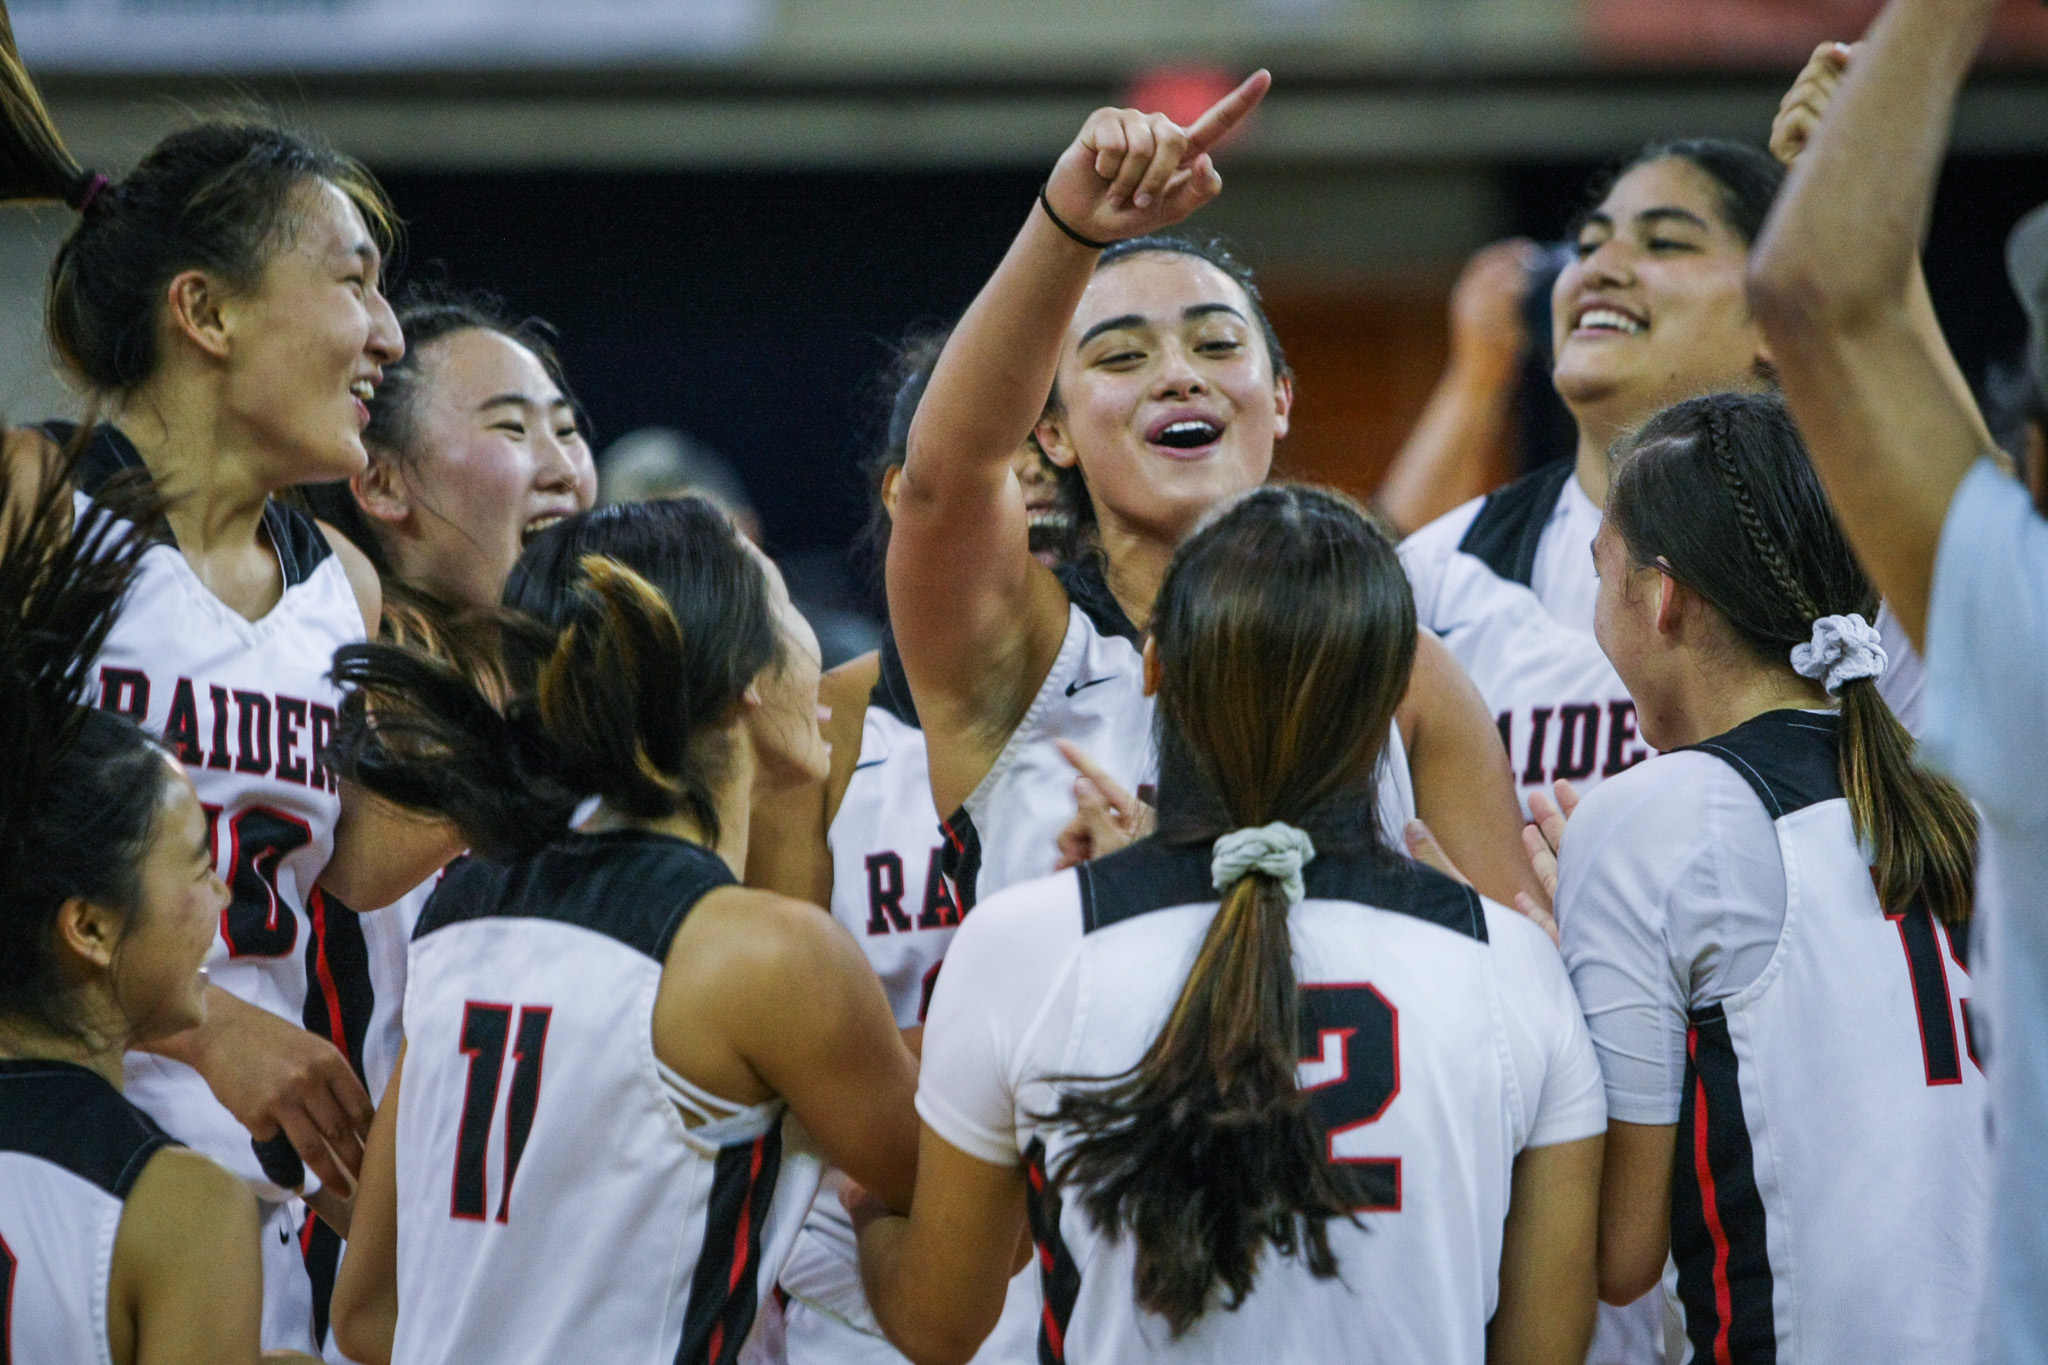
563 1195
1439 1038
71 1149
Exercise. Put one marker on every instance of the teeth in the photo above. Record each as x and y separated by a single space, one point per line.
363 389
1611 320
539 524
1188 434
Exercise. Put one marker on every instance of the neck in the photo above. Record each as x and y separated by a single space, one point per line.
207 471
23 1041
1135 566
1713 702
732 800
1596 438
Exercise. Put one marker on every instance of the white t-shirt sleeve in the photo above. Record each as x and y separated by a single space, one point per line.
1563 1099
999 977
1986 706
1670 896
1427 550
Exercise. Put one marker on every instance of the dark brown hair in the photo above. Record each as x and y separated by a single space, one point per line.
1285 631
219 196
632 633
1721 492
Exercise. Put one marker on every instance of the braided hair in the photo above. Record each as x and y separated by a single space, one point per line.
1719 491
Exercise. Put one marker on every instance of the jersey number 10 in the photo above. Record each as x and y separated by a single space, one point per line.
485 1031
1351 1069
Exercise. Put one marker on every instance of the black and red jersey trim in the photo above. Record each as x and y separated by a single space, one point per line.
1717 1215
960 857
1058 1275
724 1294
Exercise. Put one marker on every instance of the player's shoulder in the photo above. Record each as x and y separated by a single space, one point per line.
356 566
1651 794
1027 917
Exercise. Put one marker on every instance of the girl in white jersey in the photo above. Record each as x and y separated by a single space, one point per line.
474 447
866 843
1651 310
1767 927
116 1244
1269 1090
221 303
1169 392
604 1014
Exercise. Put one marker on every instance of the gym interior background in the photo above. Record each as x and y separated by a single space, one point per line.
730 208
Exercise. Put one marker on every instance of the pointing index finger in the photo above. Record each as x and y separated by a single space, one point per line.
1228 112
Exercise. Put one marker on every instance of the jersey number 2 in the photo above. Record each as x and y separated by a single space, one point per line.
1351 1069
485 1031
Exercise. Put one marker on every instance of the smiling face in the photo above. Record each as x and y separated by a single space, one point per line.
497 456
1168 399
1652 310
309 341
158 987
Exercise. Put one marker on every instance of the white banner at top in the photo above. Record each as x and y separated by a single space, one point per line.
253 36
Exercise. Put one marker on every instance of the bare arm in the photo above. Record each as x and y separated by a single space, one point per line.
1456 447
187 1280
272 1075
936 1279
1464 790
1831 282
362 578
979 621
1545 1316
365 1307
763 995
1635 1208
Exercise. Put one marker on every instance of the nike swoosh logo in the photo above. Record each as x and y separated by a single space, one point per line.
1077 685
871 763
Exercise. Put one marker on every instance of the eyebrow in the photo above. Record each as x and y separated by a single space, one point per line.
520 400
1669 214
1127 320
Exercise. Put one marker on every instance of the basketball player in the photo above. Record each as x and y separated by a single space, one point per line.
655 1018
473 448
1768 925
116 1244
1169 391
872 854
1651 311
1431 1194
234 348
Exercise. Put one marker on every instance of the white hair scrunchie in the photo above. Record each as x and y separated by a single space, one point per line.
1844 649
1279 850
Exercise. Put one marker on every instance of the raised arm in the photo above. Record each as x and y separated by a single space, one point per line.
977 619
1831 281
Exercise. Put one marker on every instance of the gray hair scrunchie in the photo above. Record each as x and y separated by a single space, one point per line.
1279 850
1844 648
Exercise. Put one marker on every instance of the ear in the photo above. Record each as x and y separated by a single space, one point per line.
381 491
1283 405
195 304
890 478
88 932
1153 671
1051 432
1671 595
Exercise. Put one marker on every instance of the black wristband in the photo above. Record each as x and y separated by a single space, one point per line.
1061 224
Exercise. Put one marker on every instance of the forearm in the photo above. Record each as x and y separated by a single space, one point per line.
895 1294
1847 228
1448 457
196 1047
992 380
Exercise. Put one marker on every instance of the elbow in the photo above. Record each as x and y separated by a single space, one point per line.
1623 1283
1792 295
355 1335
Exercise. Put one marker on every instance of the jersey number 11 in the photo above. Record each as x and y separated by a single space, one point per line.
485 1031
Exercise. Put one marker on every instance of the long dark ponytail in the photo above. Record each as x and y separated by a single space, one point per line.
80 787
1285 631
631 635
1721 490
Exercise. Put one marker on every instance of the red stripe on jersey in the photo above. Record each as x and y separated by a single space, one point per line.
1703 1170
330 994
739 1240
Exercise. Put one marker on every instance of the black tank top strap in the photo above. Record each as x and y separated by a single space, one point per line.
635 886
1790 759
1089 590
1509 527
891 691
73 1118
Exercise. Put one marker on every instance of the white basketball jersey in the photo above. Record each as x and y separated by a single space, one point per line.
1439 1037
247 706
1830 1197
555 1201
70 1151
1007 831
